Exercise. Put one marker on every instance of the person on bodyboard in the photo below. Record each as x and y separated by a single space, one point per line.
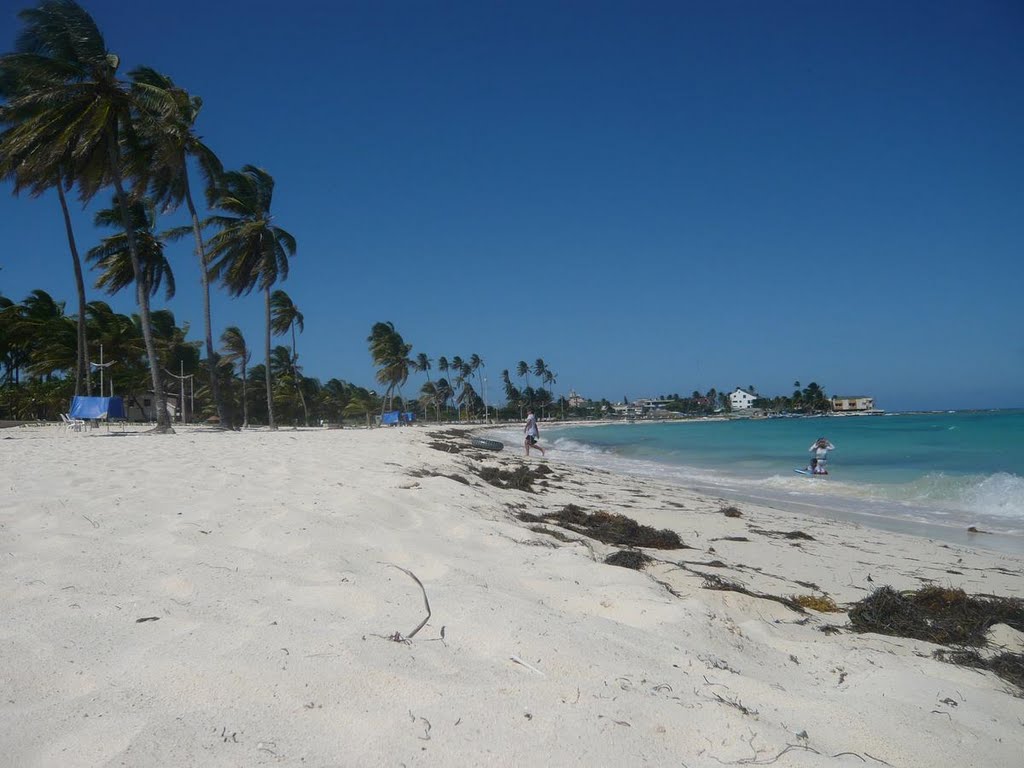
819 463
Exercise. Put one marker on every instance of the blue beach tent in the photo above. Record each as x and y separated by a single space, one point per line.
394 418
97 408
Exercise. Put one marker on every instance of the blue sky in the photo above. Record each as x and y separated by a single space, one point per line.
653 197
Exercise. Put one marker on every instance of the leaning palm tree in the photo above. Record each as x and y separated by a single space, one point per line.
391 354
443 366
523 371
236 351
112 258
455 366
512 395
249 251
429 396
475 364
551 378
284 317
422 364
169 140
69 115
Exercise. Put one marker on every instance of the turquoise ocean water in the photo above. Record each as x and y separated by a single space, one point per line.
951 469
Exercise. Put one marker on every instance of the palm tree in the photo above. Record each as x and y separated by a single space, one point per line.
475 364
236 351
456 364
361 402
71 116
550 377
429 395
540 368
169 141
285 316
512 395
46 178
37 330
443 391
444 366
523 370
37 174
112 257
391 354
422 364
455 384
249 251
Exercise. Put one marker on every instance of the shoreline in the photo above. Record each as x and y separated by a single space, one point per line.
223 599
918 518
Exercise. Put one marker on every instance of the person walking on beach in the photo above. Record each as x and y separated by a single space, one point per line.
820 448
532 433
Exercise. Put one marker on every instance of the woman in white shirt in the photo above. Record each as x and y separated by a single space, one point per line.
532 433
820 448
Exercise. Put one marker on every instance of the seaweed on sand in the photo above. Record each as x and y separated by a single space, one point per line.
731 511
608 528
936 614
430 473
521 478
628 558
713 581
819 603
1009 666
437 445
945 617
455 433
784 534
555 534
615 529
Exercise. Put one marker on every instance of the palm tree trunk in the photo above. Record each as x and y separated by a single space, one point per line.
270 393
204 276
295 377
163 422
245 399
82 369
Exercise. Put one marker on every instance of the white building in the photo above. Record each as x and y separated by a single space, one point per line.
741 400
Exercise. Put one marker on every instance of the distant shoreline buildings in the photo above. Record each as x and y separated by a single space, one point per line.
851 403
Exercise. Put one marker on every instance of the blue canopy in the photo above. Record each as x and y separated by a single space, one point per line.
97 408
397 417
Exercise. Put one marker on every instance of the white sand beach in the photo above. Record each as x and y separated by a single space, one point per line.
229 599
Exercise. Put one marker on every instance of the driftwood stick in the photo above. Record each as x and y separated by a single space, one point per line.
426 602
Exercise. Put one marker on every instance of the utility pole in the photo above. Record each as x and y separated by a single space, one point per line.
181 388
103 366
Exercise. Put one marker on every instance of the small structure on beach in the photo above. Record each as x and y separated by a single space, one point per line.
142 407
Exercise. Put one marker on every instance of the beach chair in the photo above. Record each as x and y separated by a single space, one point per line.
75 425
